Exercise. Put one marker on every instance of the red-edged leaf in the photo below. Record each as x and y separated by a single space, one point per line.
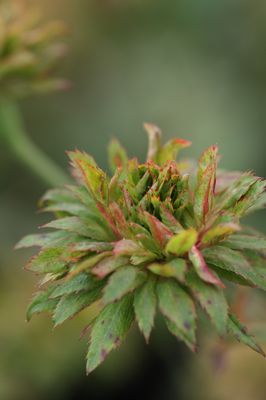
117 155
120 220
171 149
158 230
94 178
202 269
206 180
109 219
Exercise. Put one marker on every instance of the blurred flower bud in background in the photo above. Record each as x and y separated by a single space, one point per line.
29 50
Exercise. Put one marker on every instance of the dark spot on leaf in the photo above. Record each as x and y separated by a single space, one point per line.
117 340
103 354
187 325
244 330
209 301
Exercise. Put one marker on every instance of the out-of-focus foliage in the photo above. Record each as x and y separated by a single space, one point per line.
29 50
151 234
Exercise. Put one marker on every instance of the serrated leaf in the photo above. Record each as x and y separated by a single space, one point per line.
71 304
231 276
234 261
41 302
259 203
241 334
48 260
83 227
145 307
74 209
77 284
94 178
108 331
175 268
235 192
177 306
212 300
179 334
246 242
226 178
55 196
250 198
117 155
35 240
123 281
182 242
201 268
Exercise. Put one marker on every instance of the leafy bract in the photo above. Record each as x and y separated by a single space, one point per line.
145 307
117 155
108 331
123 281
41 303
70 304
233 261
149 235
206 179
177 306
212 300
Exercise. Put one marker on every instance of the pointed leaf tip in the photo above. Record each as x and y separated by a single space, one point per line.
241 334
117 155
154 134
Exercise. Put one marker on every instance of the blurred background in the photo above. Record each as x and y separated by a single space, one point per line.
196 69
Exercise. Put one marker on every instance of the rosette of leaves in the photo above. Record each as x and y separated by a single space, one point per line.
148 238
29 50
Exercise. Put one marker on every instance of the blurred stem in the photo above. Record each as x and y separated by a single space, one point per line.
13 133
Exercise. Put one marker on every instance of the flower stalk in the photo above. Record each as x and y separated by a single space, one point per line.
12 132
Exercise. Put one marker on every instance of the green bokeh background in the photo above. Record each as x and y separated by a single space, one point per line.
196 69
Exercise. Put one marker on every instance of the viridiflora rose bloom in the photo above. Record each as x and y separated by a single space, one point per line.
150 237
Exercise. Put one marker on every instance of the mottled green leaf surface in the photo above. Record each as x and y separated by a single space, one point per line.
123 281
177 306
212 300
109 330
145 307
